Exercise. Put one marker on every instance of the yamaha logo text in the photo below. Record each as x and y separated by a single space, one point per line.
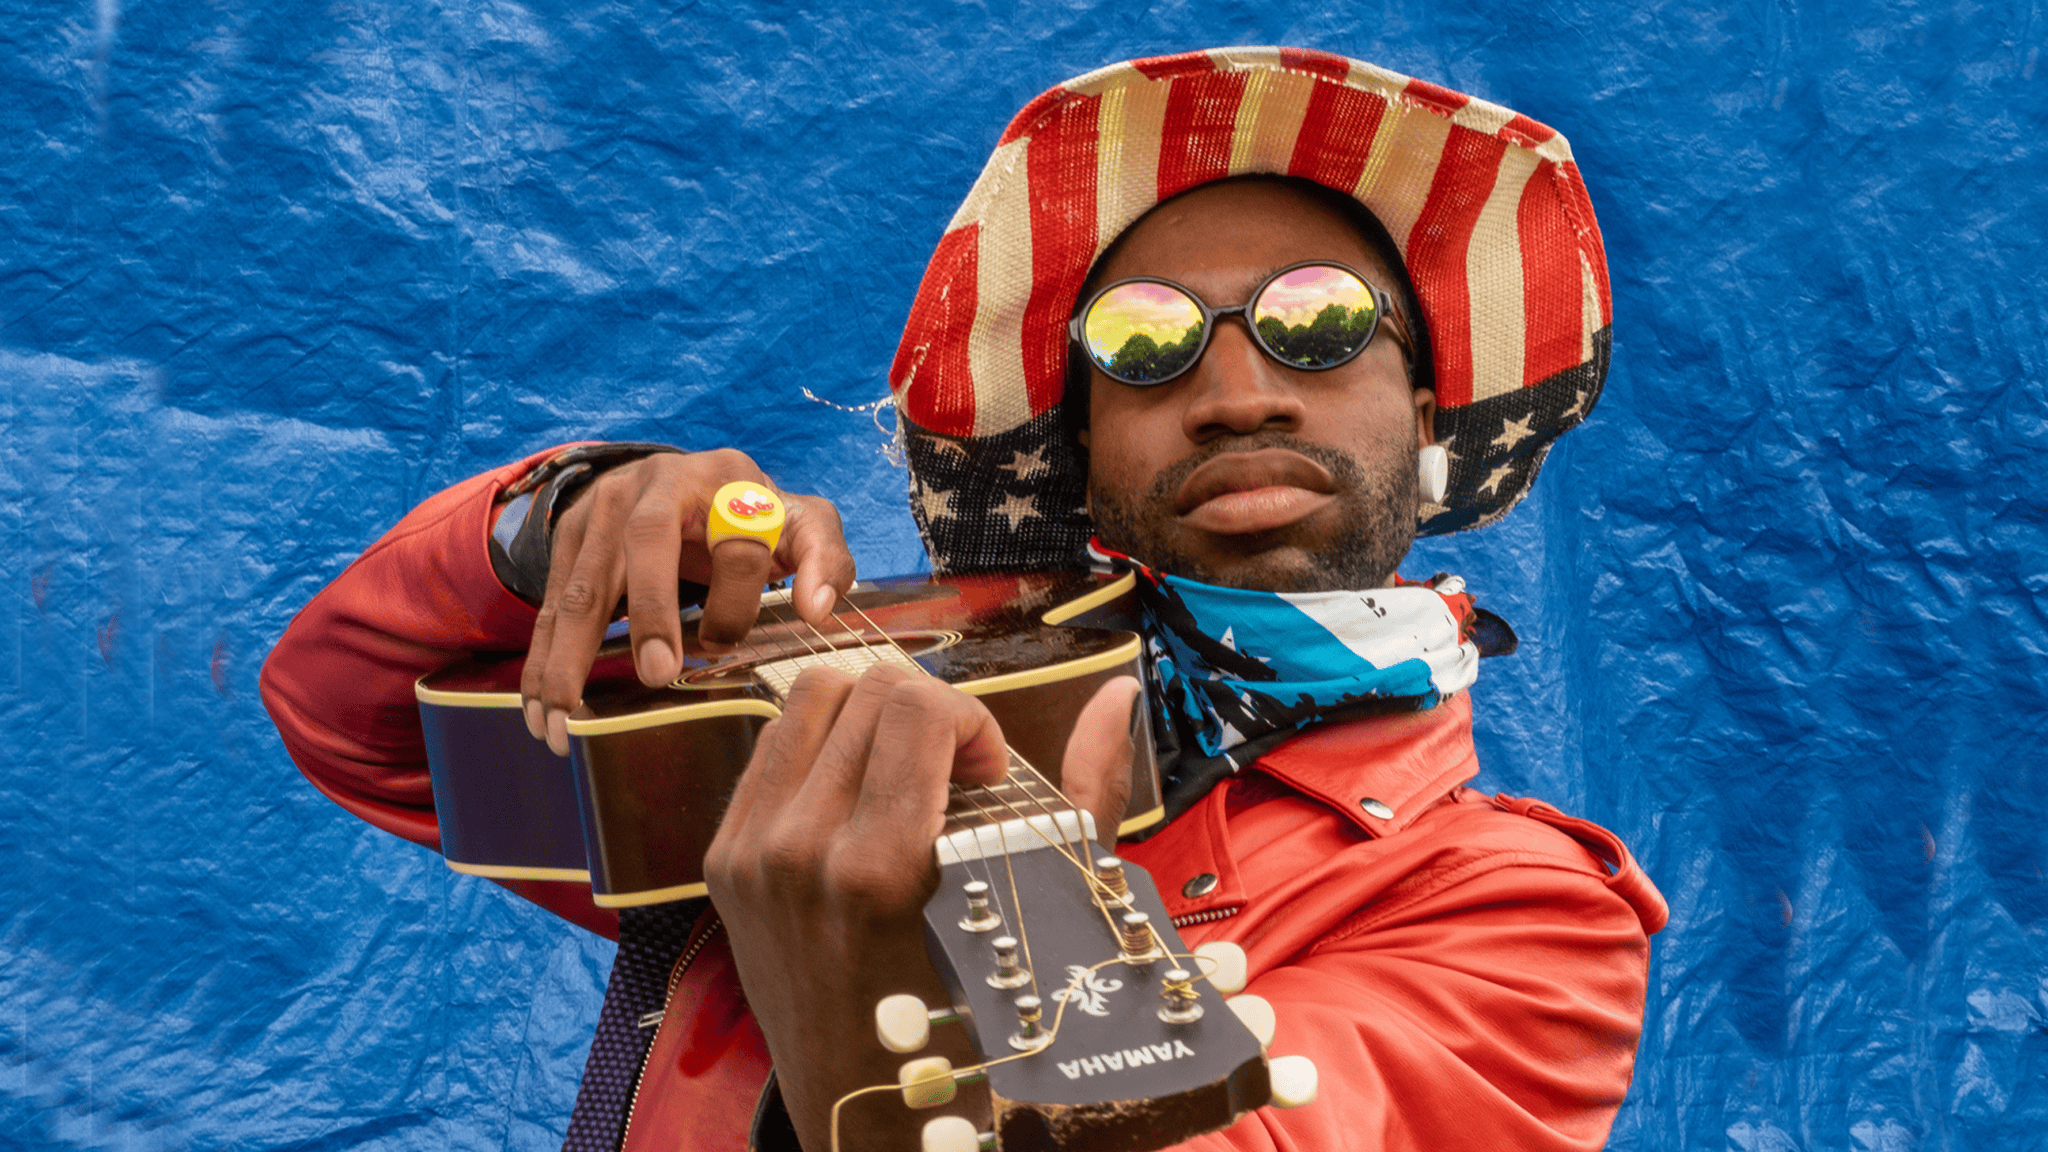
1125 1058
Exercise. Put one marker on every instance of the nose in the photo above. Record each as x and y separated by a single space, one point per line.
1236 390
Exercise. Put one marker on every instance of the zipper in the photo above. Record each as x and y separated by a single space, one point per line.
1194 918
654 1019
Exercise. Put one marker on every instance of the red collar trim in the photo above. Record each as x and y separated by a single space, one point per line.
1401 764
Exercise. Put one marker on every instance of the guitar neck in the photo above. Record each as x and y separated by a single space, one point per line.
1024 793
1021 813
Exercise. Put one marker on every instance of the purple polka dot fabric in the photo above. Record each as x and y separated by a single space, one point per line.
650 941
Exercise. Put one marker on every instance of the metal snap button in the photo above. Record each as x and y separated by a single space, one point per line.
1376 809
1200 886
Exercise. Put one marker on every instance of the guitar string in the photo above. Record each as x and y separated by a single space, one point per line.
1030 774
910 663
968 1072
1075 986
751 652
833 655
1063 848
1023 926
968 863
1073 857
1034 773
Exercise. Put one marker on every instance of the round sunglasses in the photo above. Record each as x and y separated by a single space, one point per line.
1311 316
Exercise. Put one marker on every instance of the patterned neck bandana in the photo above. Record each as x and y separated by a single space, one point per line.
1236 671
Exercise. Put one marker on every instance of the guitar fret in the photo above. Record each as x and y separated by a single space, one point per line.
1022 794
780 675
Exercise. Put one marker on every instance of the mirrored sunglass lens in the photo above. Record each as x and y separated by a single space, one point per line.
1142 332
1316 316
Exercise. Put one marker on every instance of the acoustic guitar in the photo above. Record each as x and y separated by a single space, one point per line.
1086 1008
633 807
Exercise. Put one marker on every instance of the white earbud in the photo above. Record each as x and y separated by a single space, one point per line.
1435 466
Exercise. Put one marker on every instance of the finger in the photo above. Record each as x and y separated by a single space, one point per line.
567 544
789 746
926 734
583 598
1096 770
653 538
739 568
814 544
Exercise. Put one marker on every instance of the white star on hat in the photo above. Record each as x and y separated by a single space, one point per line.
1513 432
935 503
1494 478
1025 465
1017 508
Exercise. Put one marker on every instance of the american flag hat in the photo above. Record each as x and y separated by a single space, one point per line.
1486 205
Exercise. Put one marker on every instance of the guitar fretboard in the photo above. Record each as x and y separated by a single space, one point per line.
779 674
1023 812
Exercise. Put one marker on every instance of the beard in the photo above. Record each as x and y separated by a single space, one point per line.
1375 510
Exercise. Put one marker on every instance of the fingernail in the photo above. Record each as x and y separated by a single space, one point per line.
823 601
536 720
558 731
657 660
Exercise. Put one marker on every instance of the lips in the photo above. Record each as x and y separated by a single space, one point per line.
1237 493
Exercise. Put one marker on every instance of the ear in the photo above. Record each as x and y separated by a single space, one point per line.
1425 417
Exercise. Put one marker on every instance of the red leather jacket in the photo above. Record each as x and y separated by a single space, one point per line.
1467 974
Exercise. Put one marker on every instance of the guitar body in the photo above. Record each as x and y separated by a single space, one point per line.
635 805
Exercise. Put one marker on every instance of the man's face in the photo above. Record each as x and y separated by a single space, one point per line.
1243 472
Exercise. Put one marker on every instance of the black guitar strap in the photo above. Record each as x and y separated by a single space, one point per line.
650 941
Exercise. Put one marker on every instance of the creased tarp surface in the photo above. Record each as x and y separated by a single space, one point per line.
269 274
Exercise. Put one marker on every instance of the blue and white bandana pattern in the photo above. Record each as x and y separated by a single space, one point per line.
1235 665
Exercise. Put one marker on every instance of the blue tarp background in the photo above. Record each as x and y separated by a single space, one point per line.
270 273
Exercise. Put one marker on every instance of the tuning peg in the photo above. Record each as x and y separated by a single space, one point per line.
1257 1016
1294 1081
902 1023
951 1134
1226 967
927 1081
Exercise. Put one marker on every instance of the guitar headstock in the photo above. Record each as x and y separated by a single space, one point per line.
1097 1029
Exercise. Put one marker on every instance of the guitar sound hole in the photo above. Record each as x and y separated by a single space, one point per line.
779 659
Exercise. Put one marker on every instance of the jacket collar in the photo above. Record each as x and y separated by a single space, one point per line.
1381 772
1403 762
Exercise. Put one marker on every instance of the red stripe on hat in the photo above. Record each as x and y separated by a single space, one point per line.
934 347
1321 63
1527 131
1551 295
1178 64
1436 96
1573 188
1436 255
1195 138
1022 124
1060 171
1336 135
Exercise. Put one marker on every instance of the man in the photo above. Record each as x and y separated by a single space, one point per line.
1241 387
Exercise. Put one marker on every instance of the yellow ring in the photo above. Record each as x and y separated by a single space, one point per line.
744 510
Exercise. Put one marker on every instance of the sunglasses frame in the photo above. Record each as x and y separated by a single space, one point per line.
1383 306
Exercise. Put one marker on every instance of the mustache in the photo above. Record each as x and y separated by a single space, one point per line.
1167 484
